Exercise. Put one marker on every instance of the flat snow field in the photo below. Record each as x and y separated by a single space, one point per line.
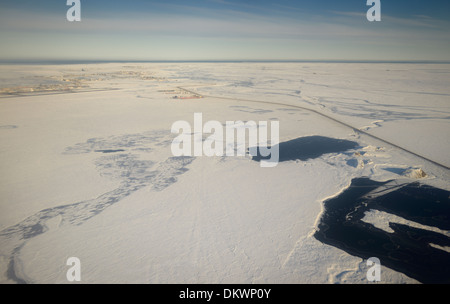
87 169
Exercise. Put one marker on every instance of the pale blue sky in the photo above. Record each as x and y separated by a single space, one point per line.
225 30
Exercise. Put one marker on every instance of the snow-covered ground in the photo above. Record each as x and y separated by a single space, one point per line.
87 169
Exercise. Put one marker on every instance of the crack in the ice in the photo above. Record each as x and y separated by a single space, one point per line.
133 173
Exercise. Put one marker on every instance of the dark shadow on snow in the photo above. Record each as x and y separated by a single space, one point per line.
309 147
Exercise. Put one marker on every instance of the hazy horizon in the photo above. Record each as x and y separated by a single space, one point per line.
33 61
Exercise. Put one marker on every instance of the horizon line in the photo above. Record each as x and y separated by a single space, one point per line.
94 61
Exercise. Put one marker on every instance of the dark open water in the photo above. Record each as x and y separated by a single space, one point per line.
407 249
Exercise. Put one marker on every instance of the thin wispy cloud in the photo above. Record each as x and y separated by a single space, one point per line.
277 30
420 21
